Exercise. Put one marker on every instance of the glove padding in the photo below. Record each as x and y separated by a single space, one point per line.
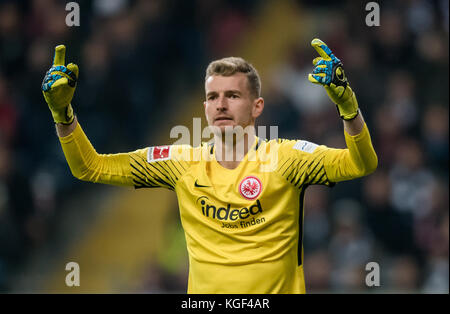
329 72
58 87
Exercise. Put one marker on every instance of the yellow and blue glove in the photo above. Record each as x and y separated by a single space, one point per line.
329 72
58 87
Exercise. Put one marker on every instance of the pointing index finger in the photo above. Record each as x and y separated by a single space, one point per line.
60 55
322 49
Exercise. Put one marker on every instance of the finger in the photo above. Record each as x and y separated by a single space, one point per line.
59 82
54 84
74 68
69 73
52 77
322 49
62 70
60 55
45 87
49 81
316 60
320 69
316 78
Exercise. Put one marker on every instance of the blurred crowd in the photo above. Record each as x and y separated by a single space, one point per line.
136 56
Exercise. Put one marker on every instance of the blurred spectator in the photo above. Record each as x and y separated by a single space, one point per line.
436 276
16 211
8 113
12 39
435 137
351 246
392 44
404 275
280 112
316 224
443 9
392 229
318 270
432 62
412 183
419 16
401 99
292 81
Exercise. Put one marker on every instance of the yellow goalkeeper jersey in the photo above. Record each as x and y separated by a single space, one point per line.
243 226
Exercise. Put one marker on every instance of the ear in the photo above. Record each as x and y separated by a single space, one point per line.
258 107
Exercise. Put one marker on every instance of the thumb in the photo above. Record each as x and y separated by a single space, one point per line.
322 49
315 79
74 68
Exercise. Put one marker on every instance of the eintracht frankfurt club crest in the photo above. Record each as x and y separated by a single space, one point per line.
250 187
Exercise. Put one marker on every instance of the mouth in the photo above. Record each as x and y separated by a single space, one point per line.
222 119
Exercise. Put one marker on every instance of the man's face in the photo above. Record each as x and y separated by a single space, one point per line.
230 103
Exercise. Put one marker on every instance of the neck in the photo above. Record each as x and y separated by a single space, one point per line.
231 148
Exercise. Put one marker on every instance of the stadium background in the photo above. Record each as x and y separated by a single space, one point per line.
142 67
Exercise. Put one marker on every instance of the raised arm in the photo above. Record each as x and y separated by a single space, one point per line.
85 163
359 159
125 169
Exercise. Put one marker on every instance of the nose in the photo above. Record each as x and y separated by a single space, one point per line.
222 103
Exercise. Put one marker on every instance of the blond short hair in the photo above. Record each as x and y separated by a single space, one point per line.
232 65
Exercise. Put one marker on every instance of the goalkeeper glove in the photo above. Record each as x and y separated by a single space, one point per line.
58 87
329 72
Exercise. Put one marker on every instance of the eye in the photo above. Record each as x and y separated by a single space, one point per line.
234 96
212 97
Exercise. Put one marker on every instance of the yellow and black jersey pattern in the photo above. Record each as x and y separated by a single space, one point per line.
154 174
243 226
304 169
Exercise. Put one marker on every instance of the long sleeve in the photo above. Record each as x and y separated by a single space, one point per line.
359 159
151 167
87 165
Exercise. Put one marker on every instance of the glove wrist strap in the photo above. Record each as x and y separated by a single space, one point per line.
349 117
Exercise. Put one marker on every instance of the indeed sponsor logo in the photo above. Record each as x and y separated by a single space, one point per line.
227 213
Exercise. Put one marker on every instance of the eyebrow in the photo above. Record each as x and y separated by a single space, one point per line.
230 91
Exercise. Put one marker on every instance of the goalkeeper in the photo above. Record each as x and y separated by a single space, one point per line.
243 224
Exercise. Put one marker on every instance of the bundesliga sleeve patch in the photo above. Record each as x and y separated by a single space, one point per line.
158 153
305 146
